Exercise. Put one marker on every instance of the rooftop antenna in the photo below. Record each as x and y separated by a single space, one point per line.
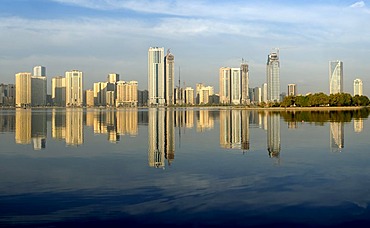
179 78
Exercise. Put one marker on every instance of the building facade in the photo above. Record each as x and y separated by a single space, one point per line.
169 78
127 94
38 91
39 71
90 98
357 87
156 79
273 77
74 88
336 77
189 96
23 90
58 91
292 90
234 85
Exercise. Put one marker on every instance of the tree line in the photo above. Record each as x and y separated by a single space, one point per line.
322 99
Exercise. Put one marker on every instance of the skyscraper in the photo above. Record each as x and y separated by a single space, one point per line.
39 71
234 84
74 88
264 92
113 78
58 90
273 77
156 78
38 90
169 77
336 77
357 87
23 89
292 90
244 68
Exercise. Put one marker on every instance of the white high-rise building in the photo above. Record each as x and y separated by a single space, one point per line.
23 90
74 88
156 77
38 90
169 78
336 77
100 92
39 71
234 85
264 92
273 77
357 87
292 90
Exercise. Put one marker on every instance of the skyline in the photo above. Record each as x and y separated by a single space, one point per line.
102 37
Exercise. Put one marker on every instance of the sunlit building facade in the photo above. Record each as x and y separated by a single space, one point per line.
58 91
100 93
127 94
273 77
170 78
189 96
74 88
156 76
90 98
23 89
357 87
292 90
336 77
39 71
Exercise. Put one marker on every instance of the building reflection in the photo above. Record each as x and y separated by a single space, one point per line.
127 122
74 127
39 130
161 136
358 125
234 129
336 136
7 122
23 126
273 134
58 124
205 120
184 118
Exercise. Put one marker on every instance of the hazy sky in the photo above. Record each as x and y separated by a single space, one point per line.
105 36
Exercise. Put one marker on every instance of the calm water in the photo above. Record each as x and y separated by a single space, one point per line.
198 167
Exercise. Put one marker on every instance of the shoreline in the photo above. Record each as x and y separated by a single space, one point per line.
279 109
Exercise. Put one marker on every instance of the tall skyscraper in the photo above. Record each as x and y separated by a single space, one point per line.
292 90
74 88
58 91
273 77
156 77
224 76
23 89
244 68
169 78
38 90
336 76
234 84
39 71
357 87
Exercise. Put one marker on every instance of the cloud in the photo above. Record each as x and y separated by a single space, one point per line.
360 4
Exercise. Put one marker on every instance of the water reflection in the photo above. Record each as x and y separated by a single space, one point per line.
336 136
234 129
161 137
273 134
30 126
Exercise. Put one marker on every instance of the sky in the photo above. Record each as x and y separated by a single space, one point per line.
100 37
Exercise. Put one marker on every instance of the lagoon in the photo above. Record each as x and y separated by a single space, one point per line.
184 167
